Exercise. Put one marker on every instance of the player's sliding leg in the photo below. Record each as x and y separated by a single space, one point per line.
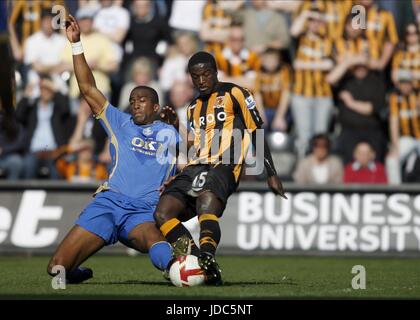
145 238
78 245
209 209
167 211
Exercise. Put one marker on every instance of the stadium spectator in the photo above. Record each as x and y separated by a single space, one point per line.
42 54
319 166
272 90
236 63
217 18
361 104
100 55
312 95
407 57
46 120
404 126
175 65
352 49
364 168
113 21
193 10
354 44
146 30
264 27
80 164
179 97
333 12
87 128
26 16
141 75
380 28
11 145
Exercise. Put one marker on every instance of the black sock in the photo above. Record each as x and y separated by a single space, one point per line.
173 229
209 233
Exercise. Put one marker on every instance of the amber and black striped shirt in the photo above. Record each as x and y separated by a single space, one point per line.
360 45
407 110
217 18
29 13
408 61
380 27
216 122
272 86
233 65
312 83
334 13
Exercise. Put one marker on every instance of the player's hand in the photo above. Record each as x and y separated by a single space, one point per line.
276 186
169 116
72 29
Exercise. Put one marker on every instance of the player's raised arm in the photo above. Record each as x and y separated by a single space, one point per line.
84 76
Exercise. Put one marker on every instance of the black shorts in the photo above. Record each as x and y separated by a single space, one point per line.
195 179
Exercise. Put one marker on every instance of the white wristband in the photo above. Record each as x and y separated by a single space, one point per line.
77 48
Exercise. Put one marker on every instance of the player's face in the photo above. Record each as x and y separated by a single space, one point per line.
204 78
143 109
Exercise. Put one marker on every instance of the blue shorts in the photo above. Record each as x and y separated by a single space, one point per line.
112 216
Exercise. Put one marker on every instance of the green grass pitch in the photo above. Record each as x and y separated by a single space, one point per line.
245 277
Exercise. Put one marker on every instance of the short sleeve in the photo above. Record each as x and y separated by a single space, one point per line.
112 118
247 108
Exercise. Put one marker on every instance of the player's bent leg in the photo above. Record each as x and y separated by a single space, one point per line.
145 238
78 245
209 209
168 207
166 213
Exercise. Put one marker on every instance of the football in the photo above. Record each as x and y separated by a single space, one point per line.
186 272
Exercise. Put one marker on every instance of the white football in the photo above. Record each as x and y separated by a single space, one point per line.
186 272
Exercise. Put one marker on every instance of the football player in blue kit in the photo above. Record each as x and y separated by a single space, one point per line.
143 151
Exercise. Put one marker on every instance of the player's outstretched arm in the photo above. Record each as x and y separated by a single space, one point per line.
272 179
84 76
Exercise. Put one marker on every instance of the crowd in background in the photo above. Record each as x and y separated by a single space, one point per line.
338 90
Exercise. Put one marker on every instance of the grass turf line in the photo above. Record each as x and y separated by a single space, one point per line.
245 277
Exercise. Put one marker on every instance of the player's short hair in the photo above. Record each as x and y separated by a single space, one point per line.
202 57
152 93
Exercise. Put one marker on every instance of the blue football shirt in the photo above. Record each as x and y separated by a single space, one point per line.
143 156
